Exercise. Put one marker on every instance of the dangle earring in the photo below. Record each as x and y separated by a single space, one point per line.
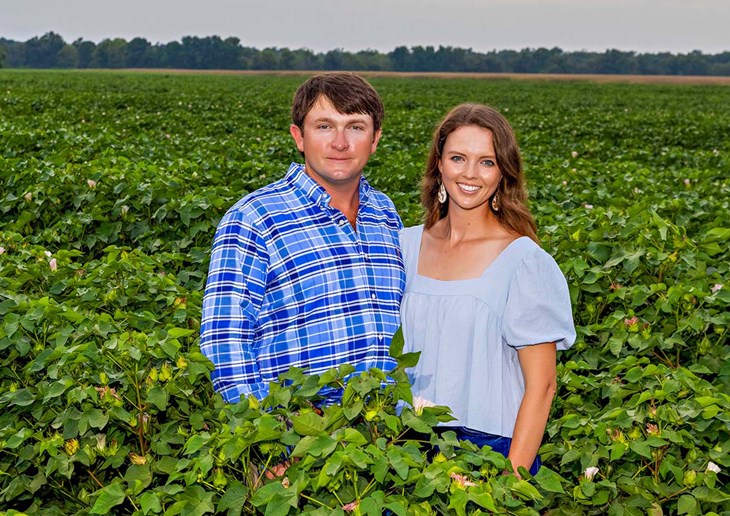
495 201
442 196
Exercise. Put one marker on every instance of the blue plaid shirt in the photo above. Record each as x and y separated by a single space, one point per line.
291 283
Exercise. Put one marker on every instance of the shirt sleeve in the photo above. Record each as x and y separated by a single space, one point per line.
233 296
538 306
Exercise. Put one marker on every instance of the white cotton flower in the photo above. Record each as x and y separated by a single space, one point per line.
420 403
716 287
589 473
711 466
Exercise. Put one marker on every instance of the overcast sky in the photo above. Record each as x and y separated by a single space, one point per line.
676 26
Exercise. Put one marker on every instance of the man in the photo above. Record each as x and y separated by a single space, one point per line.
307 271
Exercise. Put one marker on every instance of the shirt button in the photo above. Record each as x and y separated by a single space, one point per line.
343 222
373 296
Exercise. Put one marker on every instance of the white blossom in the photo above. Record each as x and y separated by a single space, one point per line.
589 473
711 466
420 403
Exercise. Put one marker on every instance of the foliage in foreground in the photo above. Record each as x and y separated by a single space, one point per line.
128 423
111 185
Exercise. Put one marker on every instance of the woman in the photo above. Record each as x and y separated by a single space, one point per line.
485 305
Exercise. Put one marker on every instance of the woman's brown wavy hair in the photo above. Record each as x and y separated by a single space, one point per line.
513 212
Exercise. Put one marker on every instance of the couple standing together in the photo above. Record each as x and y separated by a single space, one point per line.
316 270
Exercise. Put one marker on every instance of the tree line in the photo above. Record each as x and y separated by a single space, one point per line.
216 53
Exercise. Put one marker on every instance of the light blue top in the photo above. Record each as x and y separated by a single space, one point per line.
469 330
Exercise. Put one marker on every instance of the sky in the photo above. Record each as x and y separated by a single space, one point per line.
676 26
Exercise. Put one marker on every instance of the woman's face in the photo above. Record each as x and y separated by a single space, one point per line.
469 168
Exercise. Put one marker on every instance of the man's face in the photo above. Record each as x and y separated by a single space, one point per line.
336 146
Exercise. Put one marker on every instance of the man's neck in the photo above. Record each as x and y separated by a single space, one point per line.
348 202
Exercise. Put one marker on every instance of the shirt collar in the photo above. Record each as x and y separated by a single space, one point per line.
299 178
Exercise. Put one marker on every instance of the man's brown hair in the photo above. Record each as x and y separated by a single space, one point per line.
349 93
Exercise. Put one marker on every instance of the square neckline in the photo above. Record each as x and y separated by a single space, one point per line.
484 272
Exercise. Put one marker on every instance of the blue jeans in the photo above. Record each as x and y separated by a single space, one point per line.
496 442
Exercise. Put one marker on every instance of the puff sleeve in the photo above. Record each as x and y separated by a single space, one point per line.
538 306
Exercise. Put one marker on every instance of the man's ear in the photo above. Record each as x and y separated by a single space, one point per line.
376 140
298 135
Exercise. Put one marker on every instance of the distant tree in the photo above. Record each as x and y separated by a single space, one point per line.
266 59
400 57
137 53
84 52
719 64
173 56
373 60
421 58
68 57
616 62
213 52
111 53
305 59
14 53
43 52
333 60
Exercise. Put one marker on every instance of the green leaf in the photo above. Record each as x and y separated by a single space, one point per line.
309 423
409 359
396 460
397 343
550 480
196 442
411 420
110 496
484 500
177 333
150 502
350 435
97 418
641 447
688 505
18 438
525 490
158 397
234 499
316 446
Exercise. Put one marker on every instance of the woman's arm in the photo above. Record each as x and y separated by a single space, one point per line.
538 368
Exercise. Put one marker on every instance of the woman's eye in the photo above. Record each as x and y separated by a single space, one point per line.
456 158
488 163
